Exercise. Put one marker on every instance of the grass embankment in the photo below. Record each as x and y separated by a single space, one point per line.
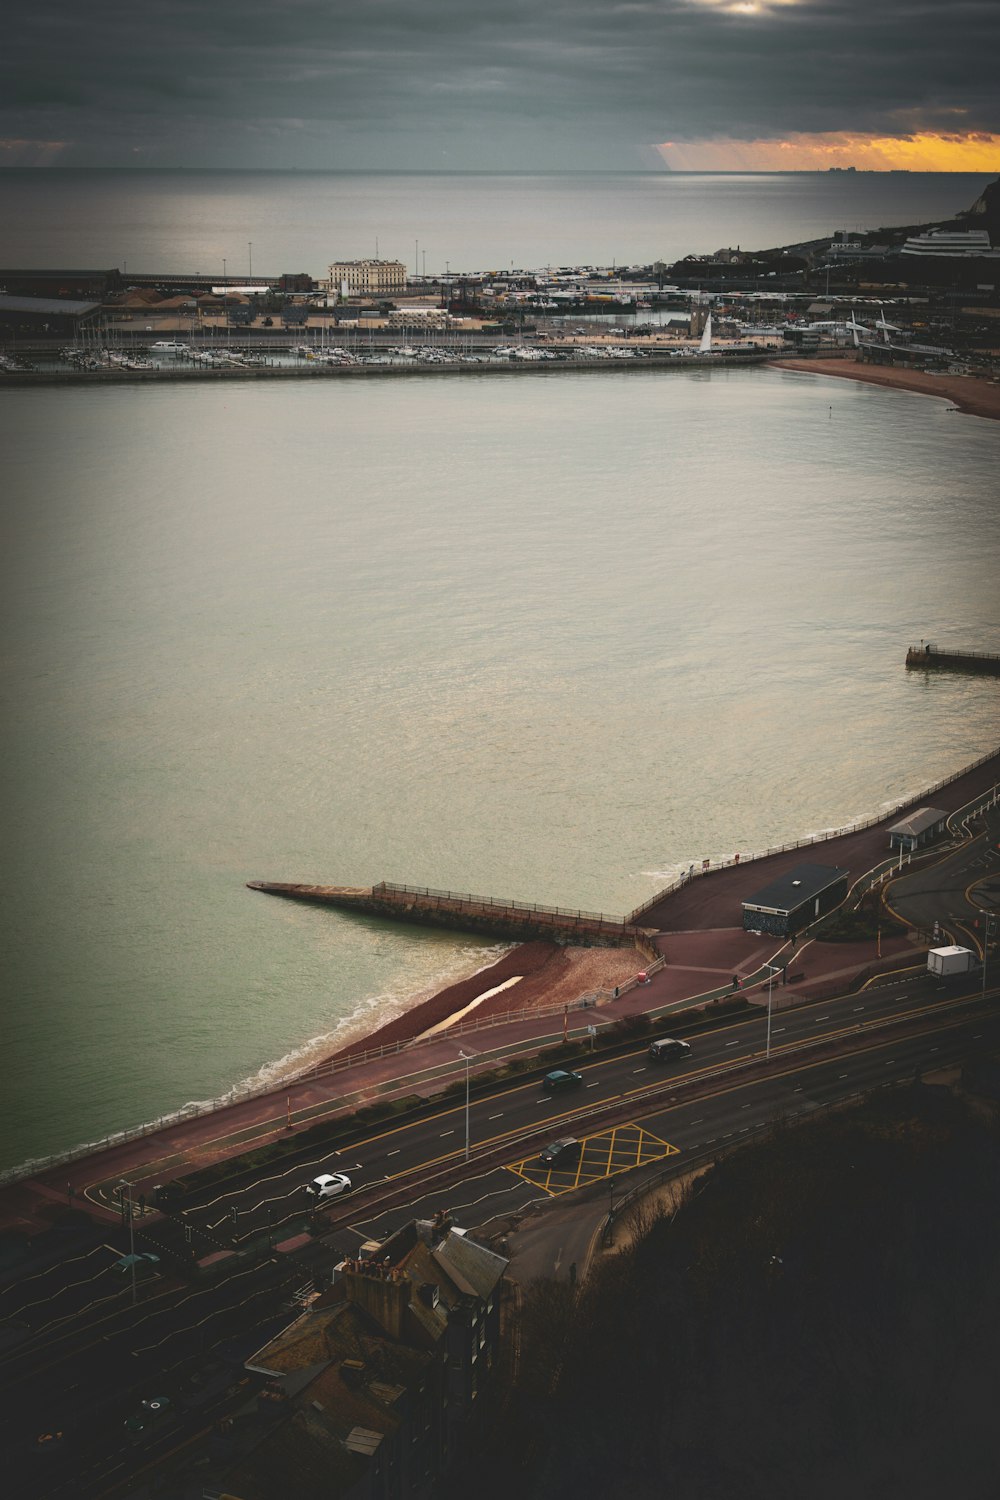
820 1317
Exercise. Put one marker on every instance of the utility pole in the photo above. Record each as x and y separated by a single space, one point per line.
131 1234
467 1059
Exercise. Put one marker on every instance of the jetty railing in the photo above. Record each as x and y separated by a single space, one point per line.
463 901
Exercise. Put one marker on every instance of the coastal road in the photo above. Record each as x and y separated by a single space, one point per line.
86 1355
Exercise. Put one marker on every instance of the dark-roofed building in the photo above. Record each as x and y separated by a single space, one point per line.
45 316
362 1395
795 899
76 286
917 828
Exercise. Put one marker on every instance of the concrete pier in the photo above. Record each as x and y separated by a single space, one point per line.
516 921
955 661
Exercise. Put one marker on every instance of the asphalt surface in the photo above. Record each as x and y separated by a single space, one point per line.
78 1349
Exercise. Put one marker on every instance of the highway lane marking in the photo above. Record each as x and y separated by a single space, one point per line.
841 1075
817 1019
777 1030
444 1133
745 1106
396 1152
857 1008
593 1085
733 1044
699 1122
638 1070
500 1115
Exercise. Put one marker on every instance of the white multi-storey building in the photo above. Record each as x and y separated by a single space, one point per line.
951 242
366 278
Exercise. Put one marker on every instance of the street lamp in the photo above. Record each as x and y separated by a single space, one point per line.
987 919
131 1233
466 1058
772 969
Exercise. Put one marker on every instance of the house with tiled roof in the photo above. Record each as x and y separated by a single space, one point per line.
364 1393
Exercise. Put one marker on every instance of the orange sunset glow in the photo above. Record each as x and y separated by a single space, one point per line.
924 151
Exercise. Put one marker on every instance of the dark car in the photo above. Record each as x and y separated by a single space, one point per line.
144 1264
559 1079
151 1414
560 1153
667 1048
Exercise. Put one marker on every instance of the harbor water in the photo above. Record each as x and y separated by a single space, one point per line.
552 638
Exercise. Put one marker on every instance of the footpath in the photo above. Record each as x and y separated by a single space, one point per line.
703 951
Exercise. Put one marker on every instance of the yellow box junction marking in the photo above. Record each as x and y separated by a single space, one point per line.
601 1156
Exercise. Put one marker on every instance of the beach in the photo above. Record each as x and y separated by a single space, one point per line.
971 394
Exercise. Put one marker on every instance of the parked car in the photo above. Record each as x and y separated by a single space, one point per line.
559 1079
146 1264
560 1153
667 1048
330 1185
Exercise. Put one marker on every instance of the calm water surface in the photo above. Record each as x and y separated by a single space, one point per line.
301 221
552 638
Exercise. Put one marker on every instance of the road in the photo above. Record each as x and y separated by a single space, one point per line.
76 1355
85 1355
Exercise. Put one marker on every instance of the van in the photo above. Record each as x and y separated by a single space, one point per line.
667 1048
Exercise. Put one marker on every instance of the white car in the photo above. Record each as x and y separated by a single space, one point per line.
331 1185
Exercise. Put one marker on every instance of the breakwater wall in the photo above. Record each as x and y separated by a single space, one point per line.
314 370
929 658
516 921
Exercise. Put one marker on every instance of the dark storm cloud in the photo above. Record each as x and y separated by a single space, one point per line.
388 82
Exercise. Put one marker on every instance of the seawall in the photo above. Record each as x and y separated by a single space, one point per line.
518 922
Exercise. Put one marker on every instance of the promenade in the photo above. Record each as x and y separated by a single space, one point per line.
702 945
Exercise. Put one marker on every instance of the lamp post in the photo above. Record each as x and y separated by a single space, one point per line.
772 969
131 1234
466 1058
987 919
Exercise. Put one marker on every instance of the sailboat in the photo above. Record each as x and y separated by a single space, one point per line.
705 347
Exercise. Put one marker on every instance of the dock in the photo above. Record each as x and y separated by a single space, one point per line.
927 657
516 921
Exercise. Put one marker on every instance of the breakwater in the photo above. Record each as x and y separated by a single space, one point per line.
316 370
930 658
517 921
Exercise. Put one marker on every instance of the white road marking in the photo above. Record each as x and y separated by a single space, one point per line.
396 1152
637 1070
495 1117
446 1132
593 1085
857 1008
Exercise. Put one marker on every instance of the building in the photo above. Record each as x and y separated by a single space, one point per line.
78 286
917 828
46 317
795 899
366 278
951 243
362 1396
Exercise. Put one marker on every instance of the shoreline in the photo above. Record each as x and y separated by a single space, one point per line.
970 394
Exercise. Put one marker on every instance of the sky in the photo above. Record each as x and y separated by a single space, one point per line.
510 86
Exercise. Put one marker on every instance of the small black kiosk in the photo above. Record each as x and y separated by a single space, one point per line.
795 899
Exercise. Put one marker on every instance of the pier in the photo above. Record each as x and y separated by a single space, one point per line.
517 921
927 656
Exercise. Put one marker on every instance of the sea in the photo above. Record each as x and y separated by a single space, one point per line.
551 638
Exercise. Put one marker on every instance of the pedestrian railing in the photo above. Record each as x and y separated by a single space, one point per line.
707 867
